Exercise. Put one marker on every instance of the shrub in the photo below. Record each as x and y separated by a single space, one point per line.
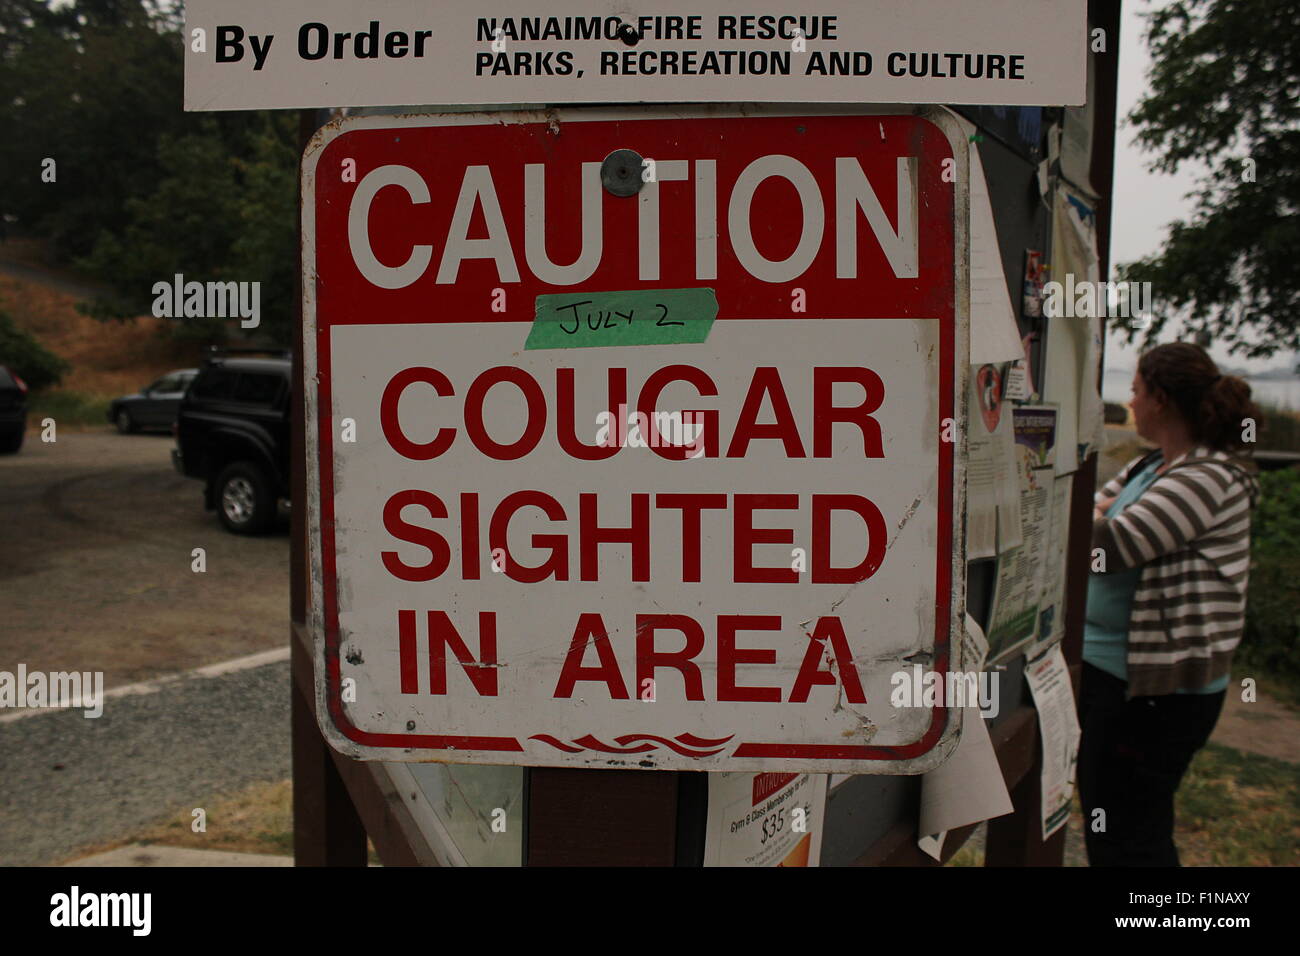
1272 638
1279 429
69 408
35 364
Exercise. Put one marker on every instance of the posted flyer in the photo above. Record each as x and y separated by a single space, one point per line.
765 819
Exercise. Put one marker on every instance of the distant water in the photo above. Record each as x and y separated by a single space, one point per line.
1278 392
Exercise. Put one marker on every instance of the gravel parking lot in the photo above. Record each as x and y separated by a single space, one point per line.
96 567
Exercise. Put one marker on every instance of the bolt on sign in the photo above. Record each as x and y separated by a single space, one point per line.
249 54
646 462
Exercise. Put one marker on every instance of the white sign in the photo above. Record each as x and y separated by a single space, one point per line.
707 544
765 819
249 54
1058 730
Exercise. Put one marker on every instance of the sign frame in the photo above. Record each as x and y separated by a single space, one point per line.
926 753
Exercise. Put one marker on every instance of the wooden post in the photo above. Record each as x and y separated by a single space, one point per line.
326 828
601 817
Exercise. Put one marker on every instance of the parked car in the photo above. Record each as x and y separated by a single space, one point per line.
232 431
154 406
13 411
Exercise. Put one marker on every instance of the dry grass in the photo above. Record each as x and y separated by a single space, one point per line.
1233 809
257 819
107 358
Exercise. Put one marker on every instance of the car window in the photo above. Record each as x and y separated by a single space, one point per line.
214 383
6 380
257 389
168 383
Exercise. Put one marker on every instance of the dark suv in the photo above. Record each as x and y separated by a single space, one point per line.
232 431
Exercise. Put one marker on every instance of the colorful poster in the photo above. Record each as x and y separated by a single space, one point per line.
1035 436
765 819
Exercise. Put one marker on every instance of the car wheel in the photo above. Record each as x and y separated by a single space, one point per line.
245 503
12 441
125 424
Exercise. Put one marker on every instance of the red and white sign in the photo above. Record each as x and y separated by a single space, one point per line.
497 580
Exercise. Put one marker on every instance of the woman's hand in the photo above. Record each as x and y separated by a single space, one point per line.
1100 508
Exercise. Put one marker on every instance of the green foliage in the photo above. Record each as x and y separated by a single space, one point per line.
1223 91
90 86
143 189
266 249
1279 429
1272 638
69 408
35 364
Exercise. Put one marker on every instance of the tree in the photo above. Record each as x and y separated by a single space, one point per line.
266 249
89 87
21 353
141 190
1225 92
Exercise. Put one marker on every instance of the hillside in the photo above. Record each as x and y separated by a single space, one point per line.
107 358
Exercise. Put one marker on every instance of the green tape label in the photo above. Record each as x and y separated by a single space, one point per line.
585 320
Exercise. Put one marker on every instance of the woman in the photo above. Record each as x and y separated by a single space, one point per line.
1166 602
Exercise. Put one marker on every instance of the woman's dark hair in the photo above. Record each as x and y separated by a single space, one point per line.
1214 406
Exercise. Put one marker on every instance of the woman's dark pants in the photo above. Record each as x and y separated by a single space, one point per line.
1132 756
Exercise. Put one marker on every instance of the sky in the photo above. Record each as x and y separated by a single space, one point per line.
1146 202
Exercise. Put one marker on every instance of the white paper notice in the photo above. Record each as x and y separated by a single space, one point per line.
1018 387
994 335
1058 724
1091 423
1092 426
294 54
975 646
969 787
966 789
1076 140
765 819
1013 618
1073 343
1051 610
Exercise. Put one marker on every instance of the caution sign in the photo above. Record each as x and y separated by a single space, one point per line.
634 437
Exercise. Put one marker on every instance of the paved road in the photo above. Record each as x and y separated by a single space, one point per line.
96 538
71 782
